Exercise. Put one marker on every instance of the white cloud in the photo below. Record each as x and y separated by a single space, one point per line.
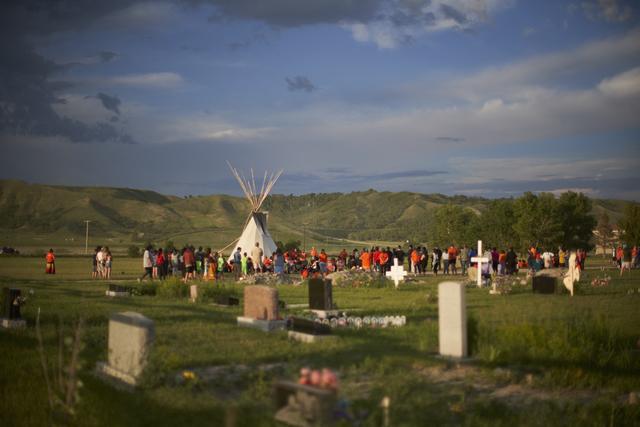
420 20
147 14
624 84
166 80
83 108
608 10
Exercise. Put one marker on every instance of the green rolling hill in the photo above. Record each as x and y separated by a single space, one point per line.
35 216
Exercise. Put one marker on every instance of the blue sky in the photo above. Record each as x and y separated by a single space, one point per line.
477 97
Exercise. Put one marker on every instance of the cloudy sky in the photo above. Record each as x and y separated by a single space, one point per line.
476 97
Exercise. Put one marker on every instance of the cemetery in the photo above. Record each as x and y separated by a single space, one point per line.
343 213
427 350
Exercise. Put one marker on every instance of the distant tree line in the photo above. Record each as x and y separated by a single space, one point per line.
541 219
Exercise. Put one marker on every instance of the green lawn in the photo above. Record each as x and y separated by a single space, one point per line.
536 359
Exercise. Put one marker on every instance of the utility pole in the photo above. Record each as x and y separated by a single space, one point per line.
86 239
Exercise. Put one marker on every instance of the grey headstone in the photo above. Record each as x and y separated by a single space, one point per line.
130 338
452 319
544 284
320 294
11 304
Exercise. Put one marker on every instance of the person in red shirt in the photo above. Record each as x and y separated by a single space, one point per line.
160 263
50 260
189 262
383 259
376 259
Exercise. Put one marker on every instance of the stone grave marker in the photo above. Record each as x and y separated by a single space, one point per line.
131 336
472 273
479 259
261 308
11 317
573 275
309 331
452 319
544 284
397 273
118 291
304 405
321 298
227 300
193 293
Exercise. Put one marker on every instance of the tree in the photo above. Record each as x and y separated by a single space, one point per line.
574 210
133 251
292 244
453 224
538 222
496 225
604 232
630 224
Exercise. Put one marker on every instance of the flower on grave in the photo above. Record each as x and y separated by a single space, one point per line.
20 301
324 378
188 375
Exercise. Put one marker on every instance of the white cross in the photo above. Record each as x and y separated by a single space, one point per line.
479 259
397 272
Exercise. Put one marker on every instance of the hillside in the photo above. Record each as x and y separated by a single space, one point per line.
35 214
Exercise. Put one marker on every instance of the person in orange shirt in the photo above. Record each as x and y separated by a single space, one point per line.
453 255
502 262
383 259
50 259
314 252
365 260
415 260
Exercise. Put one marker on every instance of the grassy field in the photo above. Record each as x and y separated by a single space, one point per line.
536 359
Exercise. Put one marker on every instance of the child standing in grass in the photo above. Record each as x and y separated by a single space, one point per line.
107 264
243 263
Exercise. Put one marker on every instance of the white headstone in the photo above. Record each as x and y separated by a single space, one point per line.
130 338
479 259
397 272
452 319
573 275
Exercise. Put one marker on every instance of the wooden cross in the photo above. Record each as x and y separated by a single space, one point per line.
479 259
397 272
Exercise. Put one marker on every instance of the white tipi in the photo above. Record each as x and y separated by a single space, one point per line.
255 229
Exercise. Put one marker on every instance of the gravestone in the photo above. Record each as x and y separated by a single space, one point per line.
321 298
320 294
227 300
118 291
261 308
397 273
304 405
306 330
479 259
472 273
573 275
193 293
543 284
452 319
131 336
11 317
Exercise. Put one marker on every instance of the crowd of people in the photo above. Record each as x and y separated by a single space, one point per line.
626 258
102 262
190 263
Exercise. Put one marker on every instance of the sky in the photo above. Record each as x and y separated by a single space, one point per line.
484 98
